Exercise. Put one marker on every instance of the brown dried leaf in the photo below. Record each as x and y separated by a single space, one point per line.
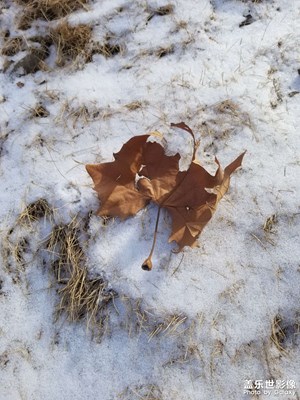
142 172
115 181
191 205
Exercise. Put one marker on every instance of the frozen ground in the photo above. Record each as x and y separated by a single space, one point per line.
204 322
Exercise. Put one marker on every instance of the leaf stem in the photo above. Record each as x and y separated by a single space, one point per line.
186 128
147 264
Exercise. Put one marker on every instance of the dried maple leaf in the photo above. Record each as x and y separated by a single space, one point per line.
142 172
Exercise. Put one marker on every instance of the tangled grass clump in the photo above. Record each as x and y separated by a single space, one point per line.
80 295
47 10
71 41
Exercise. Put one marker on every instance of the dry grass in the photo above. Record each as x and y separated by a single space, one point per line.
47 10
169 325
159 52
78 113
139 319
136 316
269 231
269 224
65 251
108 49
278 335
13 252
39 111
227 107
3 137
12 46
74 113
19 251
71 42
189 351
34 211
216 352
15 248
160 11
135 105
81 297
81 113
164 51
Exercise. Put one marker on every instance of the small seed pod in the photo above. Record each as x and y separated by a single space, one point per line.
147 264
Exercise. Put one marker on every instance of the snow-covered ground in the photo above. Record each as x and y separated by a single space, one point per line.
203 323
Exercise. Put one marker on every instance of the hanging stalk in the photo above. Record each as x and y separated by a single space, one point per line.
147 264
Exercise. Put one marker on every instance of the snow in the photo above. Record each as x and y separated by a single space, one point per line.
240 277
